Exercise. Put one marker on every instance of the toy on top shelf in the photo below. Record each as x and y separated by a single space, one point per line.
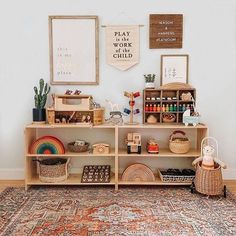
115 114
131 111
74 108
133 143
190 119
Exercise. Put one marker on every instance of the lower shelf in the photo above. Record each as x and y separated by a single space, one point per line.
156 182
73 179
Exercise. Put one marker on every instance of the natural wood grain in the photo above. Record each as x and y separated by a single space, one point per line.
165 31
231 184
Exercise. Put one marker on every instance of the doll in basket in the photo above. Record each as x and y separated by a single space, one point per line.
208 160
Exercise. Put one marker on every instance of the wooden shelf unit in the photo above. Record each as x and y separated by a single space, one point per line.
161 96
117 153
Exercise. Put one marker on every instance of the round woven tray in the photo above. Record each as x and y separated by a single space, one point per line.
77 148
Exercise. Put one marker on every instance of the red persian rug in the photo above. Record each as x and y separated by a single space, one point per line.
102 211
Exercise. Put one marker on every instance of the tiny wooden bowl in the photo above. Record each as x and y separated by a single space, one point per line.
166 120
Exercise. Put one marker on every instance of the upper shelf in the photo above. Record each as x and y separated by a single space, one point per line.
141 126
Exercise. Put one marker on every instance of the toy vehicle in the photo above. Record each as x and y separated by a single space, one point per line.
189 119
134 143
152 146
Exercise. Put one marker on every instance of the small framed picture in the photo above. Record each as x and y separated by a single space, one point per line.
174 68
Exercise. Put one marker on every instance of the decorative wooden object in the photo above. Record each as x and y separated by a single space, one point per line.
96 174
131 111
166 102
101 148
166 31
47 145
76 109
176 85
138 172
134 143
73 102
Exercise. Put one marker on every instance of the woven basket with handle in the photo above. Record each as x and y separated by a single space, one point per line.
52 173
209 182
178 142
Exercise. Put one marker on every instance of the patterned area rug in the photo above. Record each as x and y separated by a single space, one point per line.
102 211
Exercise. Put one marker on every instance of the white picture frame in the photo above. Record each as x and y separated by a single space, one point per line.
174 68
73 44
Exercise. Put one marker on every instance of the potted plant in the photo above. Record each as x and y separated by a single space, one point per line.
40 98
149 81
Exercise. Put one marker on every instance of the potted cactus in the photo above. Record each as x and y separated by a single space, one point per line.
150 81
40 98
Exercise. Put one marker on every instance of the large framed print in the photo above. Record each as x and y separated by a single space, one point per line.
74 50
174 68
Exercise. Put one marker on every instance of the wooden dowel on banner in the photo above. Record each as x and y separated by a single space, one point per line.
104 26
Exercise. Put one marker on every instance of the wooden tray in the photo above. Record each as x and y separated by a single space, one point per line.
96 174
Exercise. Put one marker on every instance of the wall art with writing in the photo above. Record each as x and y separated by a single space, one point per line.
122 46
166 31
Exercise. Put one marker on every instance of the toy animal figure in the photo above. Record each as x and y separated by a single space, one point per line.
114 106
208 159
68 92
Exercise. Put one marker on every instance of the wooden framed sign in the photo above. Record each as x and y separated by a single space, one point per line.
73 50
165 30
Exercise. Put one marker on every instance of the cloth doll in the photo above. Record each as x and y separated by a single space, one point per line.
208 160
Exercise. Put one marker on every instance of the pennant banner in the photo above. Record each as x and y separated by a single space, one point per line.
122 46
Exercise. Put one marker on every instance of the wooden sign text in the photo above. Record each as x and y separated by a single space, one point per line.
166 31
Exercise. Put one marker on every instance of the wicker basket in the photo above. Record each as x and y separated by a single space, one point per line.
179 143
209 182
168 117
77 148
52 173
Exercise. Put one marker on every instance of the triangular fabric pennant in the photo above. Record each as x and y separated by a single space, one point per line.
122 46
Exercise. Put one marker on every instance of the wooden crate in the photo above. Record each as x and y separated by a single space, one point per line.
72 102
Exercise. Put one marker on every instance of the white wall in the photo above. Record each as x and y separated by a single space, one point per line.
209 39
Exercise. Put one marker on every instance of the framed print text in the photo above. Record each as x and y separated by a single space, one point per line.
174 68
74 50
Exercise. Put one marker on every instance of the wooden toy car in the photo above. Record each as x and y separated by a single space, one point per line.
134 143
152 146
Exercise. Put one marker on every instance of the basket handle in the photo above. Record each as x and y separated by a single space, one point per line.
177 132
67 163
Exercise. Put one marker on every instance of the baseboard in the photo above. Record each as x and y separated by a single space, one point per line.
12 174
229 174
